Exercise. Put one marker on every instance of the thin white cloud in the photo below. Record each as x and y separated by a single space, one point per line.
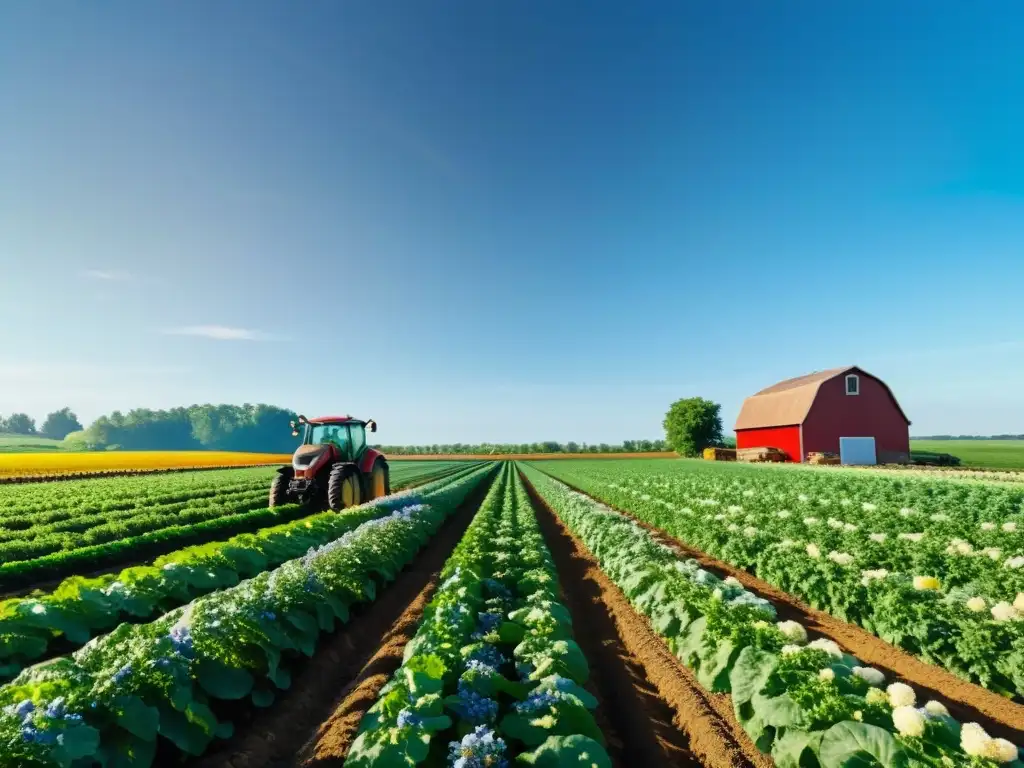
108 275
221 333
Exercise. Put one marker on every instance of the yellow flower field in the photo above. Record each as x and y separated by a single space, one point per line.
57 463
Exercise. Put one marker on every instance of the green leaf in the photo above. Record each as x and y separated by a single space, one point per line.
137 717
750 673
789 750
511 633
223 682
78 741
851 745
567 752
262 697
424 674
714 670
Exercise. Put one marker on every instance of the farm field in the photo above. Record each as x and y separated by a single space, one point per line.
994 454
491 614
65 462
11 443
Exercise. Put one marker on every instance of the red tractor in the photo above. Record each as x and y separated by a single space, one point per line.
333 465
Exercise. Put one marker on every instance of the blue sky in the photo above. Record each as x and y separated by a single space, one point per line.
511 221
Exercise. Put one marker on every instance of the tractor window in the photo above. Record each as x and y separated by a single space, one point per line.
331 433
358 432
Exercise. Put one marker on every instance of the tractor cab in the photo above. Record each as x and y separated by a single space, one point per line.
333 463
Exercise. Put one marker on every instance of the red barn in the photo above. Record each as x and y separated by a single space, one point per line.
845 411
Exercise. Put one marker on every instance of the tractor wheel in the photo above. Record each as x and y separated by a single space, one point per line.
279 487
343 489
379 480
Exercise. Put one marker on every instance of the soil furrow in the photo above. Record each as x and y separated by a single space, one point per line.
659 714
330 692
965 701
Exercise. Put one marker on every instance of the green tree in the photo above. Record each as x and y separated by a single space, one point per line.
60 424
20 424
692 424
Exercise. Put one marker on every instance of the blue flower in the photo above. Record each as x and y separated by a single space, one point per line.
123 672
268 615
536 702
25 708
181 640
489 655
475 707
479 749
408 719
57 708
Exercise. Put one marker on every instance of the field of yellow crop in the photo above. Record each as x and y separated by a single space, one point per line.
58 463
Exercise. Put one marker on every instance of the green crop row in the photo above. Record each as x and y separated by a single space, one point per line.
112 701
81 607
804 703
492 673
927 589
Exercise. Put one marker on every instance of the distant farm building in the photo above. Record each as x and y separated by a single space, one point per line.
843 411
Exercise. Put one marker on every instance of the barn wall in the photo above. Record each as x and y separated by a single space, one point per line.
784 438
872 413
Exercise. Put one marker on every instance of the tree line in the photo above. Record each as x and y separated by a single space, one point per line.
56 426
690 425
549 446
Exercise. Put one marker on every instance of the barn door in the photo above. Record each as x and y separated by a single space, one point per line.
857 450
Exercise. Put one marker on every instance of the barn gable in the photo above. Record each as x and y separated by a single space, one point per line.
788 402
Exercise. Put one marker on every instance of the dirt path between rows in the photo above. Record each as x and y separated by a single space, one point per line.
965 701
659 715
314 722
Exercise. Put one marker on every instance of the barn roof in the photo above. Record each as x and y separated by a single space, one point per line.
789 401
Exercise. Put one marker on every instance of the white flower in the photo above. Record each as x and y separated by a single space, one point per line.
867 506
793 631
783 513
988 526
826 674
878 537
936 708
1001 750
993 552
869 675
833 523
959 546
813 551
908 721
901 695
914 537
849 527
1015 562
907 512
1010 527
810 521
732 581
976 604
840 558
733 509
828 646
939 517
750 531
38 609
1018 602
719 517
876 575
1004 612
789 650
786 544
804 497
973 739
733 528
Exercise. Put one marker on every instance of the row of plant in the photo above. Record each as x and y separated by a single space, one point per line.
802 701
25 573
34 627
493 673
85 497
40 540
110 702
940 600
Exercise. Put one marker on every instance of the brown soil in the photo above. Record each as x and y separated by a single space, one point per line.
322 709
965 701
656 711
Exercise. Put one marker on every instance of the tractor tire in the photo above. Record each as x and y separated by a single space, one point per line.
343 488
279 488
378 482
